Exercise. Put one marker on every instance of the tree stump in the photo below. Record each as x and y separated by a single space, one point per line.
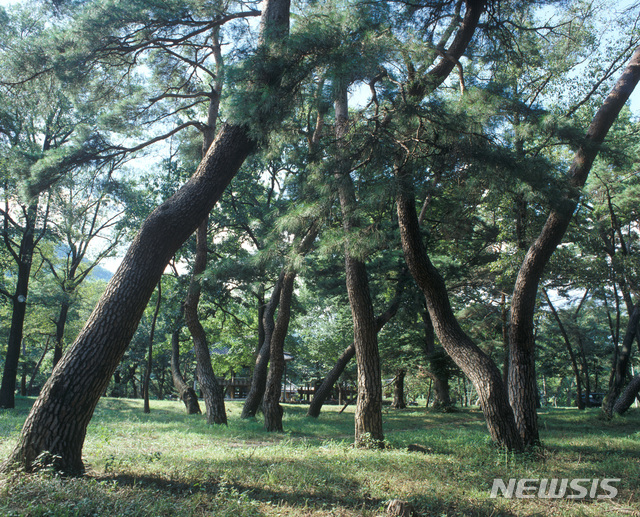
398 508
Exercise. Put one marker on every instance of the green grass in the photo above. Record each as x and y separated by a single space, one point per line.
168 463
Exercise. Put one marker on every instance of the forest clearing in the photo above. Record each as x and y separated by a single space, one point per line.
223 220
169 463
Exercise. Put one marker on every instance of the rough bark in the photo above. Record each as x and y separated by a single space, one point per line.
73 390
185 392
324 390
260 370
24 260
368 416
522 379
628 396
211 391
479 368
273 388
622 364
147 372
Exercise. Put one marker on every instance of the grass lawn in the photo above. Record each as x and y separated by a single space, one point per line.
168 463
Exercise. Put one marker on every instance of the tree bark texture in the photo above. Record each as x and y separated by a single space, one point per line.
476 365
628 396
622 364
324 390
185 392
19 309
59 418
522 379
260 370
273 388
211 390
368 416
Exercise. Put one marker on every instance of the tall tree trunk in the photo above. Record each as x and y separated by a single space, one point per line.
259 377
36 368
185 392
522 379
398 390
58 420
368 416
19 309
211 390
622 364
271 401
324 390
147 372
465 353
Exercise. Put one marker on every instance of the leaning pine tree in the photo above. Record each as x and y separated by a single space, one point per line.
57 423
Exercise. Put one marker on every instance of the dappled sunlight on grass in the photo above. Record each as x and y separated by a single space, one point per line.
170 463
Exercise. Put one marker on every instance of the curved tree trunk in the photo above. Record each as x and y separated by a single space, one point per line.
474 363
522 379
368 416
323 392
438 371
211 390
185 392
628 396
273 389
259 377
622 364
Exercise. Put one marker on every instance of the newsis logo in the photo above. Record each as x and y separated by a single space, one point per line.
529 488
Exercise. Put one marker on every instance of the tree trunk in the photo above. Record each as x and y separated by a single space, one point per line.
622 364
147 372
211 391
271 402
19 309
332 377
60 325
522 379
398 390
58 420
72 392
438 368
323 392
259 378
628 396
368 416
185 392
465 353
